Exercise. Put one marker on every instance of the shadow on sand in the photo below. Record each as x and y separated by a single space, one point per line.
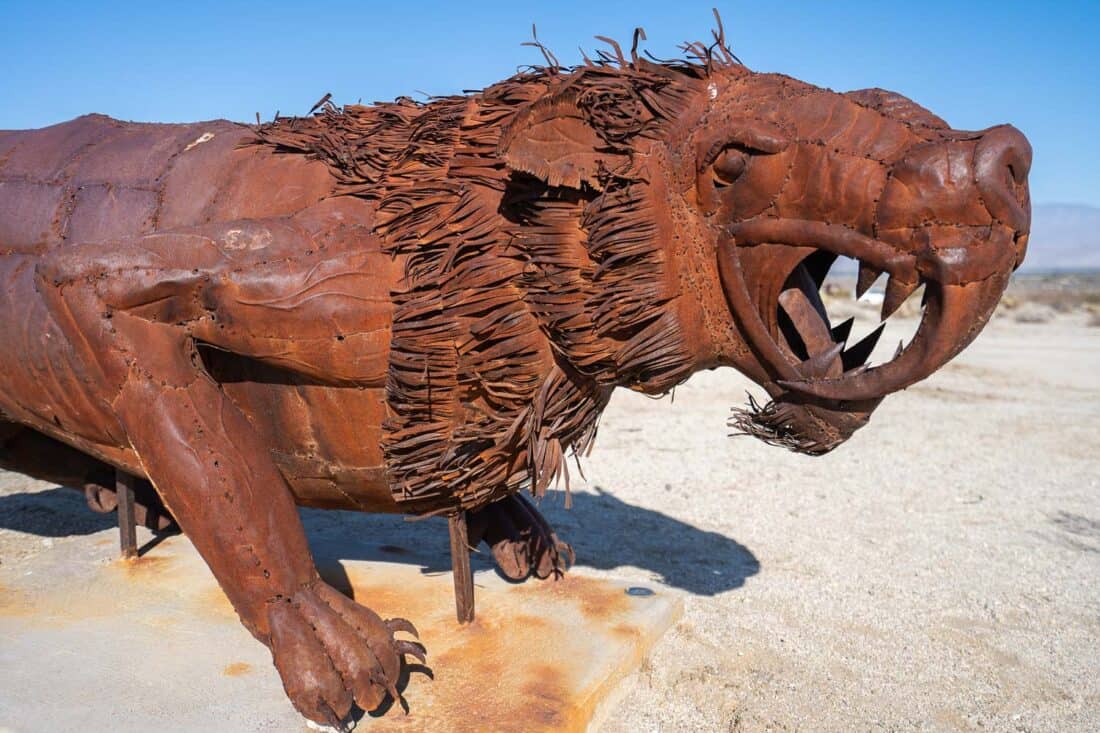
52 513
606 533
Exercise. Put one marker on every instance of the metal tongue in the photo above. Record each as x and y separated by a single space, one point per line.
801 301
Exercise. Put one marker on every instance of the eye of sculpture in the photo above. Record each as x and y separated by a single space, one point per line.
729 166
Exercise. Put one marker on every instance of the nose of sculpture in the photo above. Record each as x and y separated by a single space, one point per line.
1002 160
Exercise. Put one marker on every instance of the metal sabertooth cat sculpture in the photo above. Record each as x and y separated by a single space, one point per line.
419 308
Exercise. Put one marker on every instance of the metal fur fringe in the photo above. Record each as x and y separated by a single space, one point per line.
776 423
523 303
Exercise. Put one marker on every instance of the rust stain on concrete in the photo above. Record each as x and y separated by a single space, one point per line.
236 669
625 630
386 588
540 657
213 601
592 595
141 567
14 602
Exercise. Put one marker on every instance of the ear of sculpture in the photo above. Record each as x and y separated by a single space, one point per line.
554 142
896 106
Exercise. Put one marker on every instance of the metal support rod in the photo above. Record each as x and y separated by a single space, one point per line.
127 528
460 564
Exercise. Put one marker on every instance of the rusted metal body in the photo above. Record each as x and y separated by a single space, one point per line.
422 307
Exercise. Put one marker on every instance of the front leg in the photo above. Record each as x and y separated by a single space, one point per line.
219 481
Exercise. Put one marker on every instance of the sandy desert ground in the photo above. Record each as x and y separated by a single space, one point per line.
941 571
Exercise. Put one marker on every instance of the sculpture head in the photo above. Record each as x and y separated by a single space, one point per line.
749 186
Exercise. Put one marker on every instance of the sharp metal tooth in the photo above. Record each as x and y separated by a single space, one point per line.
867 277
901 348
818 265
897 290
817 366
859 353
842 331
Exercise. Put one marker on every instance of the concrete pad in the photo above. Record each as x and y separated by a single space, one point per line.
89 642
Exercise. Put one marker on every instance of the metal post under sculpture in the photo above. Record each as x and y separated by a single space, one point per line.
422 307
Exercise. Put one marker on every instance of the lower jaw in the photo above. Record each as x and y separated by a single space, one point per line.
802 427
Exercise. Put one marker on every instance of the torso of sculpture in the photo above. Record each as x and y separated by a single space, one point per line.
423 307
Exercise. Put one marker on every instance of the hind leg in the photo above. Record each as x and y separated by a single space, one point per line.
149 510
522 542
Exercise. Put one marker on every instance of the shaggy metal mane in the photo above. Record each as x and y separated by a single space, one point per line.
525 299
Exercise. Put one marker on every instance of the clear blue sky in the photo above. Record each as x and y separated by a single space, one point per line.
1036 65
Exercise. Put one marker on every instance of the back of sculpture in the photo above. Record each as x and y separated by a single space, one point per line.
97 179
125 189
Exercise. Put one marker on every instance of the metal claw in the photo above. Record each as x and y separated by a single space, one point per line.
391 688
399 624
412 648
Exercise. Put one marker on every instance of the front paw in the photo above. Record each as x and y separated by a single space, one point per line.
330 651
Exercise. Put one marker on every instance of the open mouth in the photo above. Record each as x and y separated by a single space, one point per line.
773 270
818 345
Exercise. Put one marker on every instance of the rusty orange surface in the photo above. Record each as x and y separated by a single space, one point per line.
541 656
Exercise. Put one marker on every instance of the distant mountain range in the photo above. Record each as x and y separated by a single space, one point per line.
1063 237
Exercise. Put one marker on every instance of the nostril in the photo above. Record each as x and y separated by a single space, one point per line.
1017 172
1021 249
1000 150
1002 161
